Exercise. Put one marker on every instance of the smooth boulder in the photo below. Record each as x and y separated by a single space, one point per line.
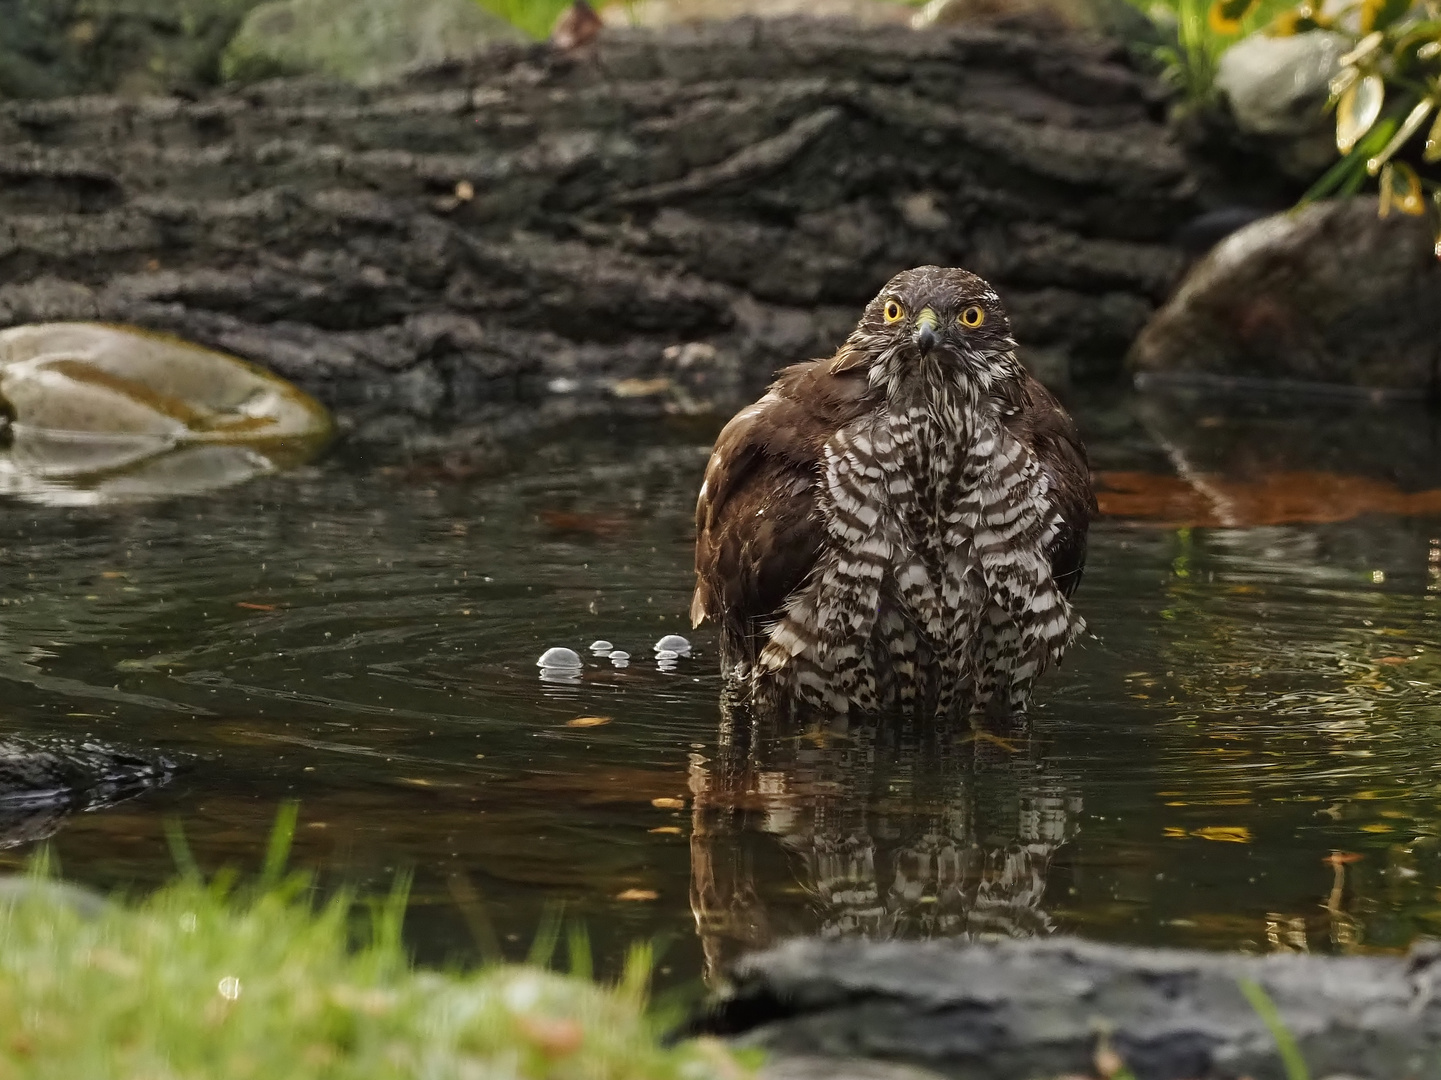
360 41
1329 293
125 414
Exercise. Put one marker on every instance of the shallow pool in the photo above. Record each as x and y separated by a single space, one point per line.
1243 752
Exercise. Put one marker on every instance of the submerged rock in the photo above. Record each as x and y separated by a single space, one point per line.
361 41
103 412
1330 293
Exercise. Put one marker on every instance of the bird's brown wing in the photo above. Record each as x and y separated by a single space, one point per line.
1048 429
758 529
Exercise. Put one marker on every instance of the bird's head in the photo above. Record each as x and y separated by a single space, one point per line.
934 326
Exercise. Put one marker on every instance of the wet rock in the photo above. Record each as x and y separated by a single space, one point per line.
361 41
1017 1009
44 780
1331 294
1277 88
102 413
673 12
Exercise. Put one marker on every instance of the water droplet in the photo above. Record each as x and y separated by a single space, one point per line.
602 647
666 654
229 988
620 654
559 658
673 643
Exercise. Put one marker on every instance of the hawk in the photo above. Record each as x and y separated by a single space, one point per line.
900 526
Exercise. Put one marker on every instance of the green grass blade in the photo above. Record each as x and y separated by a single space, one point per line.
1266 1009
277 851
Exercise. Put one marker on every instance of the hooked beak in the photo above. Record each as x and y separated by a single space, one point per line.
926 336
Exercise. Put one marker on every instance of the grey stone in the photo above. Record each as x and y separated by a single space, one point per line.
1330 293
1012 1010
829 1068
361 41
1277 88
672 12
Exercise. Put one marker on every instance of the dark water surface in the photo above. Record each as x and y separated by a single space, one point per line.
1243 756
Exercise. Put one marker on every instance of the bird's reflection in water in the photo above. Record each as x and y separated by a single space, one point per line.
879 831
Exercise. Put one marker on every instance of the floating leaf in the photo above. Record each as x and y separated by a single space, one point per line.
638 894
1401 188
1414 119
666 830
1229 834
588 721
1225 15
668 804
1357 110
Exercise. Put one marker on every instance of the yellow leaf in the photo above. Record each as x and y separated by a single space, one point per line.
668 804
588 721
668 830
1401 188
1414 119
1229 834
1432 152
1358 110
638 894
1225 16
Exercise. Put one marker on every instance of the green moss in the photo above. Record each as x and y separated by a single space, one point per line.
201 981
535 17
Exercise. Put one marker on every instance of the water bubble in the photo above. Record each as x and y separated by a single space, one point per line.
620 660
620 654
666 654
673 643
665 665
559 658
601 647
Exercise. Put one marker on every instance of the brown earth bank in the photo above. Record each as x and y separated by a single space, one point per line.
655 221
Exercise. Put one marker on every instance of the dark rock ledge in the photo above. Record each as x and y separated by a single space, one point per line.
1017 1010
659 216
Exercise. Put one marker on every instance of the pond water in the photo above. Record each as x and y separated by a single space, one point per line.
1242 753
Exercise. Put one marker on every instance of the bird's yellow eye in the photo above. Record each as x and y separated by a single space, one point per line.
973 316
893 311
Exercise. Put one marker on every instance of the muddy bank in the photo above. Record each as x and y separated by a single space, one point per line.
655 221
